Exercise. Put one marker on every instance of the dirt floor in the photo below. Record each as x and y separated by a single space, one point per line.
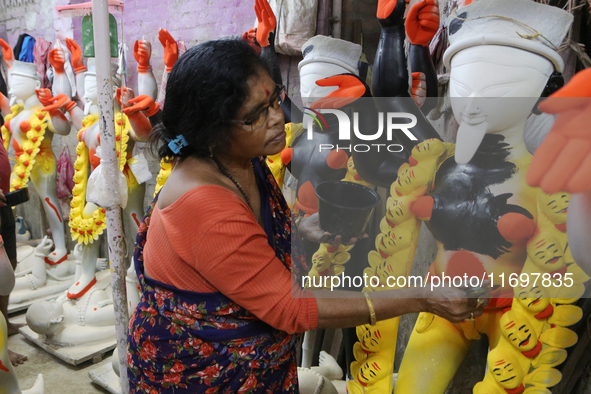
60 377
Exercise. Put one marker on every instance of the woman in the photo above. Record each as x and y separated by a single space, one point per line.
219 309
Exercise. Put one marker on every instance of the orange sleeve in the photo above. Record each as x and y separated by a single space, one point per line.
224 243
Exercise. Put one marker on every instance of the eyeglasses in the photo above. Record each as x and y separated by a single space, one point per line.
260 118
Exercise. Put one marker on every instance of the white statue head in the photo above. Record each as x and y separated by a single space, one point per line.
90 85
325 57
500 49
45 317
24 79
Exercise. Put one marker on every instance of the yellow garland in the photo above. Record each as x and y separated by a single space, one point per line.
84 228
26 160
14 110
394 260
165 170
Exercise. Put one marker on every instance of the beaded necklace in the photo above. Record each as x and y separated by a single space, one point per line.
224 171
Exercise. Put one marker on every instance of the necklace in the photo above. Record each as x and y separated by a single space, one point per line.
227 174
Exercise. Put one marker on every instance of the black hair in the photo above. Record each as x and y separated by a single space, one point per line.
205 90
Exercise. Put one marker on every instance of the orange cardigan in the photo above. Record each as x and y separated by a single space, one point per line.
209 241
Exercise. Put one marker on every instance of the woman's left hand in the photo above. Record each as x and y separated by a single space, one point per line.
309 228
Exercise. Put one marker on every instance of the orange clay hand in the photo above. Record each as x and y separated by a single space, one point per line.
422 22
142 50
250 37
419 88
562 162
77 62
57 59
6 53
59 101
350 88
267 22
44 96
171 52
123 96
141 103
391 12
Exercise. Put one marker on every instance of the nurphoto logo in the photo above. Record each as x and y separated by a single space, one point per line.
394 121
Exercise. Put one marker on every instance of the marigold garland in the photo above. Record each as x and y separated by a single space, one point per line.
86 229
166 167
25 161
14 110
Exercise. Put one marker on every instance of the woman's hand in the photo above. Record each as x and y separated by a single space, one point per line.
309 228
454 305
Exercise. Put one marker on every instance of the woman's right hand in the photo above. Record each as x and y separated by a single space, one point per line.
453 304
309 228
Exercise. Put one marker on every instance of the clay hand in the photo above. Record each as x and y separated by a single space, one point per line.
142 50
141 103
44 247
170 49
123 96
350 88
77 62
6 53
391 12
309 229
419 88
562 162
44 96
53 103
57 59
250 37
267 22
422 22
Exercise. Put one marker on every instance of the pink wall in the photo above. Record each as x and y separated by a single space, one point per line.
192 21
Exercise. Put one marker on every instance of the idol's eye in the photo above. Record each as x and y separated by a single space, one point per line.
499 90
461 89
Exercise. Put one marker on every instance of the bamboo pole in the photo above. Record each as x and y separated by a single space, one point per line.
100 19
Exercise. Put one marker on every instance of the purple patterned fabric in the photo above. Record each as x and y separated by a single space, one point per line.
188 342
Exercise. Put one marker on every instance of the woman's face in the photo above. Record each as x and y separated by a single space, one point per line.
269 137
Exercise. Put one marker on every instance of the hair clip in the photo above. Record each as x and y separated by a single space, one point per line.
177 144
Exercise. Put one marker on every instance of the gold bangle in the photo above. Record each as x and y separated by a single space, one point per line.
298 220
372 312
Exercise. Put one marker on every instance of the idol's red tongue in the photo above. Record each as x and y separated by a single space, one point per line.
468 141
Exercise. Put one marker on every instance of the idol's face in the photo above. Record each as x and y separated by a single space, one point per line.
21 88
518 332
554 206
505 369
533 298
545 252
